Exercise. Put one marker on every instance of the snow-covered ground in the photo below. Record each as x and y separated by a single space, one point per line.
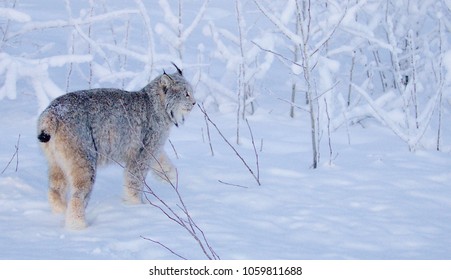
376 201
370 199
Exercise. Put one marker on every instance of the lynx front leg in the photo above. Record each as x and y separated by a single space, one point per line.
135 176
163 168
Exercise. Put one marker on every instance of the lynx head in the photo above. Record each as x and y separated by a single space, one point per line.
178 96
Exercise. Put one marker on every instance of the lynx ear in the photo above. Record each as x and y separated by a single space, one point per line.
165 81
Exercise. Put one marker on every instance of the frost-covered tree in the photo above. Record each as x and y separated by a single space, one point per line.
239 50
175 31
346 61
32 64
403 44
315 23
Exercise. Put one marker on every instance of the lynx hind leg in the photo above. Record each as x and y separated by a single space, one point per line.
79 166
58 188
163 168
82 176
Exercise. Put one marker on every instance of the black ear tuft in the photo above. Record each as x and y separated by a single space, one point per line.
166 75
178 69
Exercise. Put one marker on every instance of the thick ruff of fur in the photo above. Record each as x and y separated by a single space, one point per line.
81 130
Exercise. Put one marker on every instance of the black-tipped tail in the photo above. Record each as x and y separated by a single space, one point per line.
44 137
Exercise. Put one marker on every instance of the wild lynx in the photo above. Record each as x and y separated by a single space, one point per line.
82 130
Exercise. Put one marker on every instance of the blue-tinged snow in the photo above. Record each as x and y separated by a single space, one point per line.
376 201
370 197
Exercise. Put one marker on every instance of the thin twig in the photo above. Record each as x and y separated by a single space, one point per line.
230 184
278 54
257 163
188 225
230 145
164 246
15 155
173 148
328 132
209 137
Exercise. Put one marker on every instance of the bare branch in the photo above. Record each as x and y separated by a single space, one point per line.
173 148
255 150
295 38
15 155
164 246
188 224
278 54
331 33
230 145
230 184
209 137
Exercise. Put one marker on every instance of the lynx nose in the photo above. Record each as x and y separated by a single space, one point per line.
194 103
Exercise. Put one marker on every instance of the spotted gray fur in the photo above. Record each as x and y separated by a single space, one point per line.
82 130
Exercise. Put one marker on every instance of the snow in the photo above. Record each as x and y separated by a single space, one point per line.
12 14
370 198
377 200
447 64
